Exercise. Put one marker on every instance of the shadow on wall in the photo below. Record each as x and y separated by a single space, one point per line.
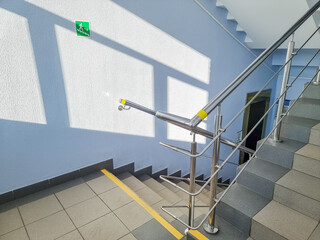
58 108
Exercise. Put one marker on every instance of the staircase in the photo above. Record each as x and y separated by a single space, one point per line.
278 194
276 197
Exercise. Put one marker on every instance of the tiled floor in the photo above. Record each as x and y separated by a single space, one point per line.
89 208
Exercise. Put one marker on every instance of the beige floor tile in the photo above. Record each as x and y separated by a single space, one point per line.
87 211
40 208
133 215
19 234
149 196
10 220
74 195
316 234
50 227
101 184
128 237
115 198
74 235
108 227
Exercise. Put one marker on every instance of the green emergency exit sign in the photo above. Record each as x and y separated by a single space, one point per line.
82 28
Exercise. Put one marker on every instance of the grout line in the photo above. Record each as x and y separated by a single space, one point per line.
152 212
24 225
111 211
67 215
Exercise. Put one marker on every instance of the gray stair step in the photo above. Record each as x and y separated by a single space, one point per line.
260 176
226 230
300 192
297 128
313 91
280 153
306 107
278 222
315 135
307 160
239 205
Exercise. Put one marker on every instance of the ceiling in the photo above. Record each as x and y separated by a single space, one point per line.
264 21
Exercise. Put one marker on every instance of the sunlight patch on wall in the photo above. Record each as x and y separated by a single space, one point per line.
184 100
124 27
20 93
96 77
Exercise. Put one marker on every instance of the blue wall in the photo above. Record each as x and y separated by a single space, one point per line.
297 68
31 152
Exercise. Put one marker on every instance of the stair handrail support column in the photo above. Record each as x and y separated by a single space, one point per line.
192 180
210 227
284 86
317 78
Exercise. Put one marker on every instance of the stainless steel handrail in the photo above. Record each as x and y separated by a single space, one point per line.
212 104
244 166
240 143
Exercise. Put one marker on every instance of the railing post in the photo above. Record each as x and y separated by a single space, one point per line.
285 80
317 79
210 227
192 181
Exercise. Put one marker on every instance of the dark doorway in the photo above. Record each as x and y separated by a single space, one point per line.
252 115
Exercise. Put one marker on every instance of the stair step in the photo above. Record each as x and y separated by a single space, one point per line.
157 207
313 91
297 128
131 181
151 183
307 160
315 135
300 192
306 107
226 230
260 176
278 222
141 189
281 153
169 186
239 205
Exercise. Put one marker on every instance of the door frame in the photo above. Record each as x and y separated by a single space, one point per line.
264 95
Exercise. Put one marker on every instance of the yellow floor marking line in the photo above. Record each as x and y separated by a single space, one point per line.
135 197
198 235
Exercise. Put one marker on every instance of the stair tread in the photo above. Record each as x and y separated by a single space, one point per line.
266 169
226 230
302 183
305 100
310 151
131 181
285 221
244 200
301 121
286 143
151 183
